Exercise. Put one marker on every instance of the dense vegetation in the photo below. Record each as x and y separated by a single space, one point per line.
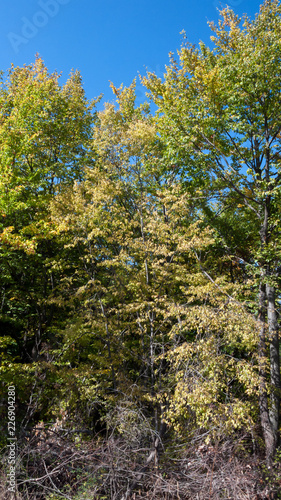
140 275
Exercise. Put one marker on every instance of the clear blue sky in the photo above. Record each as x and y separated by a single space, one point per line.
105 39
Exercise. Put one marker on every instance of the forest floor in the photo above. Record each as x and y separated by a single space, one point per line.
52 465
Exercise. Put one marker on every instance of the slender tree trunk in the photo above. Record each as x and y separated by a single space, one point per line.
269 406
108 343
268 432
273 334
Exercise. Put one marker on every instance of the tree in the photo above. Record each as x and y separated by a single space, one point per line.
109 226
45 133
144 298
218 111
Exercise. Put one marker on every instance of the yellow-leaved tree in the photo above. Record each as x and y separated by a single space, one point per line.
159 318
218 111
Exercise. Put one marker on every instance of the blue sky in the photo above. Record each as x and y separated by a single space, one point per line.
105 39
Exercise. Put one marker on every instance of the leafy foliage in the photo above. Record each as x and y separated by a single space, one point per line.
140 286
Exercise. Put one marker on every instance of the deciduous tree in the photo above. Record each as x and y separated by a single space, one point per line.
219 114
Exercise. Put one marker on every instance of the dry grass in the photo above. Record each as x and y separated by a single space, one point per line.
50 463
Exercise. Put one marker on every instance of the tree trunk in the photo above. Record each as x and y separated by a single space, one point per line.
269 406
268 432
273 334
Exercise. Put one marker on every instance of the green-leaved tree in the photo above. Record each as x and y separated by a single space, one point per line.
219 113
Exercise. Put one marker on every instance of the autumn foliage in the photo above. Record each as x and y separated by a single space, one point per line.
140 275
